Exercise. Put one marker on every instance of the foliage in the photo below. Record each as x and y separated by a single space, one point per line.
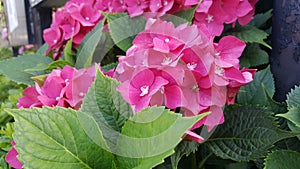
107 130
9 94
291 160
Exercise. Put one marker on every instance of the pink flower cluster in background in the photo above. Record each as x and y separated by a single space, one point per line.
214 13
182 68
73 21
62 87
79 17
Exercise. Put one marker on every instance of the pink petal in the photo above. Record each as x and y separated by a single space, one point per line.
191 136
11 158
160 45
174 96
144 77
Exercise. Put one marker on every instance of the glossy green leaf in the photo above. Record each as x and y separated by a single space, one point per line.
107 107
294 128
253 93
184 148
246 134
293 115
282 159
253 56
251 34
58 64
105 45
16 68
53 138
109 66
88 46
42 50
273 105
150 136
183 16
293 98
261 19
69 54
123 29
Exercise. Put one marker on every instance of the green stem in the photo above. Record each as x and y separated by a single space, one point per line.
202 163
193 161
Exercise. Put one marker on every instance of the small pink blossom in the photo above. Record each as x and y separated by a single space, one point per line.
228 51
86 15
53 36
141 87
30 99
137 7
244 20
11 157
214 14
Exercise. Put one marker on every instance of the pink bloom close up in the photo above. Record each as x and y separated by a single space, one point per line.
182 68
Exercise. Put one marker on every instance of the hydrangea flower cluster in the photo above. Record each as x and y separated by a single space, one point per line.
73 21
62 87
214 13
182 68
79 17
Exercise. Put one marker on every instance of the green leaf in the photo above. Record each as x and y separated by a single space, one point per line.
88 46
109 66
282 159
107 107
293 115
253 56
238 165
103 48
294 128
293 98
260 19
184 148
58 64
150 136
246 134
42 50
123 29
69 55
251 34
14 68
53 138
253 93
272 105
183 16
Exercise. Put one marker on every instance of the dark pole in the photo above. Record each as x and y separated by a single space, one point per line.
285 58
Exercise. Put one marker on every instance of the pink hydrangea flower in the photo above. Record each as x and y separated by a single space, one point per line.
137 7
30 99
245 19
182 68
111 6
11 157
73 21
141 87
215 13
62 87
